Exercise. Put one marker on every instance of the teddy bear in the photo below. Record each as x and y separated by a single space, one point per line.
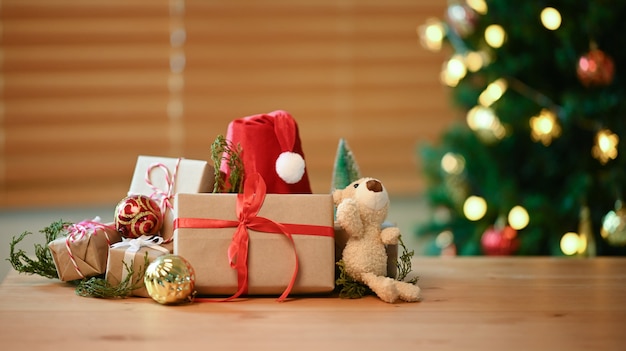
362 208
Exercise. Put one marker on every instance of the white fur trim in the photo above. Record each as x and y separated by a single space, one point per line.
290 167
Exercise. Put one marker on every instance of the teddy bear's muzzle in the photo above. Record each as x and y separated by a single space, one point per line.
374 185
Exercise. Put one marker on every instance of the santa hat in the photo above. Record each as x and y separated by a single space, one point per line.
271 146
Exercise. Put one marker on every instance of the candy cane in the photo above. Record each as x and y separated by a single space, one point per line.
164 196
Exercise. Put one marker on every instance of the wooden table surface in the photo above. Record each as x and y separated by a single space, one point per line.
468 304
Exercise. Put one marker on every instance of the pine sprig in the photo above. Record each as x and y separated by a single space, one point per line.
404 263
350 288
222 149
43 265
101 288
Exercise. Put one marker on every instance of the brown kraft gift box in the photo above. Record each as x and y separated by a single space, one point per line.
121 253
89 250
192 176
271 259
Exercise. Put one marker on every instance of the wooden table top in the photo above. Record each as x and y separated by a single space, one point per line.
468 304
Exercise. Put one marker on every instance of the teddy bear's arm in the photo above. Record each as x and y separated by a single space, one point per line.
348 217
390 235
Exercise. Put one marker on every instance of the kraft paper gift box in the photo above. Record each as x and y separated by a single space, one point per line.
132 252
170 176
83 252
270 261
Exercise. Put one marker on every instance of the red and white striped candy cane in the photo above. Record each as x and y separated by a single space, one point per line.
164 196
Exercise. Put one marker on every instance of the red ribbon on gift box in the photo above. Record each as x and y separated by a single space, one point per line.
248 205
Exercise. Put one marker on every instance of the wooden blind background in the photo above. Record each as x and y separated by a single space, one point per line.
88 85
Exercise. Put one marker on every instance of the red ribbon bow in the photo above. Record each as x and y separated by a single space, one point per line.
248 205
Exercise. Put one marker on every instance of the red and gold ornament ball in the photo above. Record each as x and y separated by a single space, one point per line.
595 68
138 215
500 241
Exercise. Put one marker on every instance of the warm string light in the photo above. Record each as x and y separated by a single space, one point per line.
571 243
493 92
474 208
484 121
605 148
456 68
453 164
581 243
480 6
518 218
431 34
544 127
495 35
550 18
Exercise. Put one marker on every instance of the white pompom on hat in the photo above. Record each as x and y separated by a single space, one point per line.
290 167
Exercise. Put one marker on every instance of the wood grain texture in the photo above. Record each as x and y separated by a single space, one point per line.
468 304
86 87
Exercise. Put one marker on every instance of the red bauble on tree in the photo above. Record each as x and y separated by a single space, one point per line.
138 215
499 240
595 68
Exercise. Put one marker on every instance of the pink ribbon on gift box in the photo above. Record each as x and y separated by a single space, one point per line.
78 231
248 205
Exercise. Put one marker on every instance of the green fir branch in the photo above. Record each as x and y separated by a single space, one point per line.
99 287
222 149
350 288
404 263
43 264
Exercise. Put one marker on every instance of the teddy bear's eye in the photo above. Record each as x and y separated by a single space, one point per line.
356 185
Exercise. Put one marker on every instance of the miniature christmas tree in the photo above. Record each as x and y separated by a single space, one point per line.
537 156
345 169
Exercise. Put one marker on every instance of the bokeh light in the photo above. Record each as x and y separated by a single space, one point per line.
570 243
474 208
518 218
550 18
495 35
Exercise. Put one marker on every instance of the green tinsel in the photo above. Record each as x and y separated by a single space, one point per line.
222 149
349 288
101 288
43 265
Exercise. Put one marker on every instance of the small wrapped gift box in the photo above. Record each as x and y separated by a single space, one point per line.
257 244
83 252
162 177
132 253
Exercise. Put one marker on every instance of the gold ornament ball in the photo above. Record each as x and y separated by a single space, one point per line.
614 227
170 279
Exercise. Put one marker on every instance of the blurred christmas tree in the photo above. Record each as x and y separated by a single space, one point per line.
536 167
